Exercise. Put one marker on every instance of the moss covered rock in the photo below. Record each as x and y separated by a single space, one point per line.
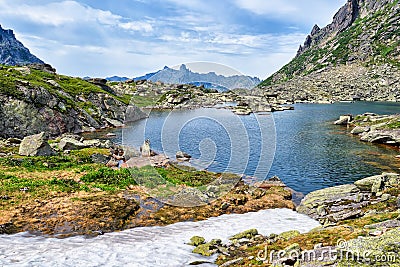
289 234
246 234
197 240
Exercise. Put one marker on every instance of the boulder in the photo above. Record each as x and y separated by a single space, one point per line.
246 234
36 145
134 113
209 248
318 204
97 143
68 143
114 123
371 249
344 120
376 182
367 183
197 240
182 156
359 130
100 158
289 235
145 149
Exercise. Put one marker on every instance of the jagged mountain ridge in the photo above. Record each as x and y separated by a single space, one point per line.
13 52
356 55
186 76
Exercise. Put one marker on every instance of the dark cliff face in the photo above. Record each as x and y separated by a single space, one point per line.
13 52
342 20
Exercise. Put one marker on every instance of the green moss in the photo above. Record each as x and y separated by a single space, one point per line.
393 125
187 176
12 184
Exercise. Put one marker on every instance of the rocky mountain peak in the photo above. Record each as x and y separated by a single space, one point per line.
342 20
13 52
315 29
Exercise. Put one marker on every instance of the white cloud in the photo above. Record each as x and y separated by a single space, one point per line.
309 11
59 13
262 7
90 40
136 26
71 13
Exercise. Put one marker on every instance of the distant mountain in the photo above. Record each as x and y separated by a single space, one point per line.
117 79
210 86
13 52
356 56
209 80
148 75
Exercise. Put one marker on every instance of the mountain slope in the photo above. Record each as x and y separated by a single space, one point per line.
357 55
34 99
13 52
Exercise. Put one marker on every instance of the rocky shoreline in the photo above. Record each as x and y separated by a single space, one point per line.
360 222
62 188
374 128
360 226
160 96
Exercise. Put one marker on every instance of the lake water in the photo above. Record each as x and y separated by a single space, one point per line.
302 146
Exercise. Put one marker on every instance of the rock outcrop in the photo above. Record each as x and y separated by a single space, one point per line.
35 99
36 145
334 204
373 128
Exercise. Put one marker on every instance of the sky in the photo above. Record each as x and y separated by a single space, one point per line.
133 37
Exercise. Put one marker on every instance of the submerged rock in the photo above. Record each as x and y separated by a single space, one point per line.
182 156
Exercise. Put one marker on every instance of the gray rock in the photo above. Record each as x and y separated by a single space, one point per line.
359 130
367 183
36 145
114 123
145 149
134 113
344 120
182 156
245 234
68 143
100 158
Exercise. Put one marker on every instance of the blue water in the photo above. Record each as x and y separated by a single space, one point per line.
302 147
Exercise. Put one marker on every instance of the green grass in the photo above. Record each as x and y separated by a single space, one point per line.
144 101
393 125
12 184
77 159
108 177
70 87
186 176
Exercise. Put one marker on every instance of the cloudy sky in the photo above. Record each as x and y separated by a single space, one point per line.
133 37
